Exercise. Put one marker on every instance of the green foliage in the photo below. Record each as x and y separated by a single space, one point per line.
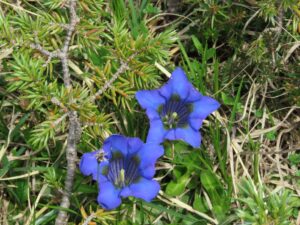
97 47
294 159
218 196
262 207
242 53
34 84
27 73
176 188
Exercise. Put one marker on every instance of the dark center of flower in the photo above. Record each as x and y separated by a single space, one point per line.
175 112
100 156
123 171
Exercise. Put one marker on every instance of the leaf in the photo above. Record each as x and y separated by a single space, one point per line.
271 135
19 125
210 181
199 204
197 44
259 113
87 189
227 100
294 159
236 106
175 188
4 166
22 190
219 199
150 9
83 212
210 53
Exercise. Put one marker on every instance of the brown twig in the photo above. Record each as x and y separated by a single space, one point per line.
64 51
37 46
73 121
71 167
74 125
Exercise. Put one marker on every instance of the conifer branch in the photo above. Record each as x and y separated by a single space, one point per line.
64 51
37 46
55 101
122 69
59 120
74 132
62 25
74 125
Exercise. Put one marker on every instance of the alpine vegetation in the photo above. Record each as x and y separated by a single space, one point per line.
149 112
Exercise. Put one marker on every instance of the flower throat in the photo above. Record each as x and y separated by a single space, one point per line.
123 171
175 112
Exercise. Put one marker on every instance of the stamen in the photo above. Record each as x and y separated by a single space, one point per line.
174 115
122 176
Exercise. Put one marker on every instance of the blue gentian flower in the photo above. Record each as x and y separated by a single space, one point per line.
176 110
123 167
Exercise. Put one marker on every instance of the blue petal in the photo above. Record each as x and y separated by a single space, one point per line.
99 175
144 189
134 144
189 135
171 135
89 164
108 196
152 114
180 84
125 192
195 122
194 95
205 106
148 155
115 143
166 90
156 132
149 99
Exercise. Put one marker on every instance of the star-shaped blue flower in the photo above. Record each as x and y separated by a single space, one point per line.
176 110
123 167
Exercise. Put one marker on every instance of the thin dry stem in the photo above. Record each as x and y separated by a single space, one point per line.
37 46
55 101
89 219
124 67
74 125
59 120
71 167
73 134
64 51
178 203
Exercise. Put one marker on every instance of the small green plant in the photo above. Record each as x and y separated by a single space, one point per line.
261 207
